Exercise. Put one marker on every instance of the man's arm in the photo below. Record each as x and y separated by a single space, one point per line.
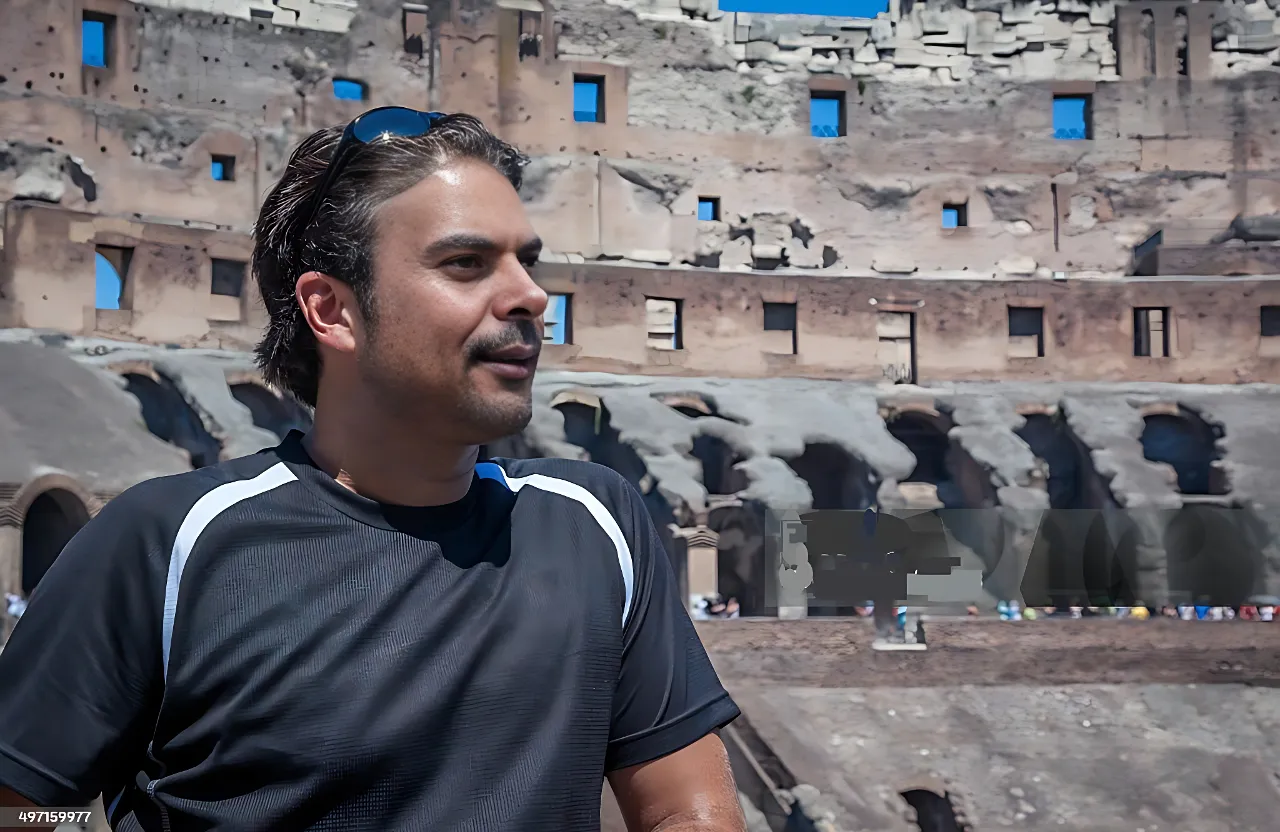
666 764
691 790
80 676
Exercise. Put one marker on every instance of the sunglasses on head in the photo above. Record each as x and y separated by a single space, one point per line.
378 123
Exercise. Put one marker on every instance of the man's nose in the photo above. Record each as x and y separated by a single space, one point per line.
520 296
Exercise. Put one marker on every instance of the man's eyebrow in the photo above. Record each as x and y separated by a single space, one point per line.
475 242
460 241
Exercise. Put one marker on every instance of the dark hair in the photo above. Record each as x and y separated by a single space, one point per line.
340 241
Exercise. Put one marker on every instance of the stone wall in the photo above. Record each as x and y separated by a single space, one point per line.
955 108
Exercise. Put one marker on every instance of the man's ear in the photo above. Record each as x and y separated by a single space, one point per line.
329 307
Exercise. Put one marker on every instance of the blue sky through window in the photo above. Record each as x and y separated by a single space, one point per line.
555 319
1070 117
93 36
950 218
828 8
348 90
586 100
217 171
106 284
824 117
707 209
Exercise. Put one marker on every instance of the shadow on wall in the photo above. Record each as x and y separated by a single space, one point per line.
52 519
169 417
272 412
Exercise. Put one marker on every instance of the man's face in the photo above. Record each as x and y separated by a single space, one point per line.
457 319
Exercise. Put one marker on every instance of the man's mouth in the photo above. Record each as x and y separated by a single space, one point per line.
514 362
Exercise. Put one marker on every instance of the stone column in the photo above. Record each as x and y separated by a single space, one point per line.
702 560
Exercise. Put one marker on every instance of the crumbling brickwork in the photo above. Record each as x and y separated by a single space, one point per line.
944 106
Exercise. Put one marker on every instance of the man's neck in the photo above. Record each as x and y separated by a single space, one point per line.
388 460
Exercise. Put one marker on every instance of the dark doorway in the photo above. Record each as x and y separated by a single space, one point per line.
52 520
934 812
1187 443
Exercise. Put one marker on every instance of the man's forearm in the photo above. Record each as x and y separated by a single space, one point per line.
718 819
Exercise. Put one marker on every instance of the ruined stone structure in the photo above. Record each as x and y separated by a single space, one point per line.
939 297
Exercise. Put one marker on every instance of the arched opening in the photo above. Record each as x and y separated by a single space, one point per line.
934 812
1213 555
278 414
1188 444
587 425
960 481
52 519
719 474
836 478
1049 441
1147 37
168 416
1181 32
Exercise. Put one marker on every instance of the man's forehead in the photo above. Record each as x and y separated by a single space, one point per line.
466 196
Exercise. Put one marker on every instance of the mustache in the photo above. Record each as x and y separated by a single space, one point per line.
518 333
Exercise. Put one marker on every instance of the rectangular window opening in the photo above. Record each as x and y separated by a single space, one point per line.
1151 332
414 25
223 168
1270 323
111 275
955 215
228 278
1026 332
261 14
346 89
558 320
781 317
1073 117
826 114
97 34
663 324
709 208
588 99
530 24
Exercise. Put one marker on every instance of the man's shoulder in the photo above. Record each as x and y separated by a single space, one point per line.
572 478
589 475
167 500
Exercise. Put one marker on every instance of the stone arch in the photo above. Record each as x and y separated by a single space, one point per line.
269 410
587 424
942 463
52 509
836 478
1179 437
170 417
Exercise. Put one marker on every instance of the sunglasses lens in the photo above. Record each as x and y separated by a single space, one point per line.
394 121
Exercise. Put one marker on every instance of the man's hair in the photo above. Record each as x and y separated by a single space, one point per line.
340 241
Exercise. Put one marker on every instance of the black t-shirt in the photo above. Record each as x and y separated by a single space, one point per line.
252 646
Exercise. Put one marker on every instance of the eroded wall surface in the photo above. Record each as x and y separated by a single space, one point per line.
944 104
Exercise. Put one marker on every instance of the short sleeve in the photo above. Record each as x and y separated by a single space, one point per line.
668 695
80 676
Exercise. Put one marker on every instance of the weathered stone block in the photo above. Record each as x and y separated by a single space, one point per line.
894 262
1018 12
760 50
867 55
1018 264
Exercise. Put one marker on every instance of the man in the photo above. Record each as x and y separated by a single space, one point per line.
365 628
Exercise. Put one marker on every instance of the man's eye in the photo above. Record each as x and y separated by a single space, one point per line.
529 262
466 261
